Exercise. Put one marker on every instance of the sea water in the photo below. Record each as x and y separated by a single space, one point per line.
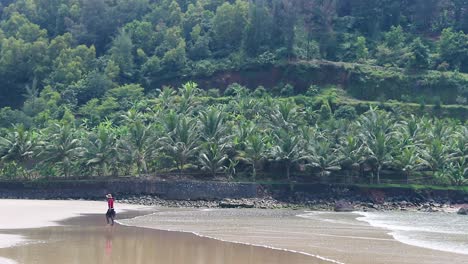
438 231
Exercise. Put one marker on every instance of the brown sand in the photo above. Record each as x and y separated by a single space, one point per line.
341 238
88 240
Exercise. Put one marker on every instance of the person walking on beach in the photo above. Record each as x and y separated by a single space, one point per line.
110 215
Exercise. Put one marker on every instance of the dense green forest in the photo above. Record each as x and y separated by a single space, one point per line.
241 134
337 89
83 48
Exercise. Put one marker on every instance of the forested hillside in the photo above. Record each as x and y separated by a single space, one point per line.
83 48
85 87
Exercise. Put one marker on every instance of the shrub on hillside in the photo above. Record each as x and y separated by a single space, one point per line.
346 112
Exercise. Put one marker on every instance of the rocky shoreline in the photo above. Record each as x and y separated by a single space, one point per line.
311 204
198 194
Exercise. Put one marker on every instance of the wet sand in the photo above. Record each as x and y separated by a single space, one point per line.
336 236
88 240
17 214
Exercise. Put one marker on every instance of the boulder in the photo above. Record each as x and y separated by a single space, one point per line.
343 206
228 203
463 211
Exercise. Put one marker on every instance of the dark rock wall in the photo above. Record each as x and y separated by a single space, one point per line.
189 190
198 190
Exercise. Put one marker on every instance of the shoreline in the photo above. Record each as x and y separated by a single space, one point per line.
236 242
269 202
155 191
336 205
322 239
263 227
10 255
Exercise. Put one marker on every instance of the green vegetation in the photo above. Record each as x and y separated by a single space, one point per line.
348 91
244 135
84 48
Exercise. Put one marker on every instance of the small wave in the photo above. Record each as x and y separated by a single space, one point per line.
437 232
435 245
321 216
7 261
232 241
384 221
7 241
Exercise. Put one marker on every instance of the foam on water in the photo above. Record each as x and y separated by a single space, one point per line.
6 261
323 216
438 231
11 240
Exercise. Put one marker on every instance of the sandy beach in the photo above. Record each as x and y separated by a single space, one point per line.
86 239
205 236
335 236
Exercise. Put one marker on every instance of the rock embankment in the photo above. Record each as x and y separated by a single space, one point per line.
157 192
319 204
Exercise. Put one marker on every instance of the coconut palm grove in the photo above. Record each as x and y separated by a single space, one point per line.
336 91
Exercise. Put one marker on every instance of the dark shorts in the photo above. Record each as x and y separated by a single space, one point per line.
110 213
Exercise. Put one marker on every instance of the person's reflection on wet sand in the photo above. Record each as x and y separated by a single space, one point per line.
108 250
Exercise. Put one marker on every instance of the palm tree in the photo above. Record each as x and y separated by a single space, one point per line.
139 144
323 156
101 148
456 171
247 107
435 154
459 145
284 115
377 136
169 121
409 161
187 94
31 96
456 168
255 151
181 143
380 151
166 97
287 149
374 121
212 126
61 146
18 145
132 115
350 153
441 129
242 131
213 158
409 131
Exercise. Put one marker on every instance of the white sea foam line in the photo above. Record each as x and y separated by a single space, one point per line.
330 235
312 214
235 242
409 241
7 261
315 234
378 223
425 244
10 240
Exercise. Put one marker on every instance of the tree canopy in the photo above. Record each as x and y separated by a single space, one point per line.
104 87
75 45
